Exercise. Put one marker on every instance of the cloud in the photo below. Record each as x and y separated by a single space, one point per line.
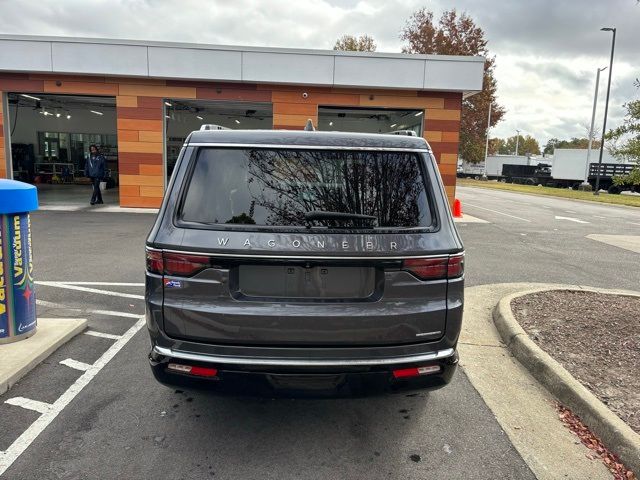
547 51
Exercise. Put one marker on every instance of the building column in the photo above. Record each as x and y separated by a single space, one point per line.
140 150
442 131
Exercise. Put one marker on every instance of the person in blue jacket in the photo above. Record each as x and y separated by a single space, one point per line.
95 169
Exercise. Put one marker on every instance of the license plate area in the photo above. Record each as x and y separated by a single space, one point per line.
306 382
312 282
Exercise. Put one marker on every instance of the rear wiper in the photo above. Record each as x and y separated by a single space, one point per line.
325 215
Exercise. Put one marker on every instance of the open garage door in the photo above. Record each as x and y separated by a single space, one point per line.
50 140
369 120
184 116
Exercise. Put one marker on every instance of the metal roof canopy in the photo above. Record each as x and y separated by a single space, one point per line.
187 61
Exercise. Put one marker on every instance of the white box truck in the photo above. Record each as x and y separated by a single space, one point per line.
570 165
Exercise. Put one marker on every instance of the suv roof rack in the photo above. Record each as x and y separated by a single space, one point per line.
212 126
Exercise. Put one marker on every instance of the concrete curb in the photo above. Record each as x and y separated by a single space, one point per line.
21 357
615 434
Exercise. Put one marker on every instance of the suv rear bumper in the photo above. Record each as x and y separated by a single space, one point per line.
297 377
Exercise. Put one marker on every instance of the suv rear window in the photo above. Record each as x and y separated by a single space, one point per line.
279 187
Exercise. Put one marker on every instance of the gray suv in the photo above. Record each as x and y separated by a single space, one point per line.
304 263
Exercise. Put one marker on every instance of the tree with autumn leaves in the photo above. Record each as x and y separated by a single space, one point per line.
452 34
457 34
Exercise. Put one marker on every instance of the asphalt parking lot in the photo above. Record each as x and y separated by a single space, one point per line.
116 421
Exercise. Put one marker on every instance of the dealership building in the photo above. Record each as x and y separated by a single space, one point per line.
139 100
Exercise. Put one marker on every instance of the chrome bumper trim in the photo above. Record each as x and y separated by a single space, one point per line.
287 362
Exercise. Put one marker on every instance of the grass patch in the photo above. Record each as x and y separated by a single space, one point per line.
630 200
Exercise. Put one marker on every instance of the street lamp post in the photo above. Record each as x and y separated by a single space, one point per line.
486 145
606 106
517 141
593 119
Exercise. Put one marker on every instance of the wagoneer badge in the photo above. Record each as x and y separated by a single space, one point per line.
369 245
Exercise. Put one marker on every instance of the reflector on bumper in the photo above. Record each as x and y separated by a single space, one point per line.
192 370
416 371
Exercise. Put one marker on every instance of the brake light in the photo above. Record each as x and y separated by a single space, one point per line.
416 371
435 268
184 265
176 264
154 262
427 268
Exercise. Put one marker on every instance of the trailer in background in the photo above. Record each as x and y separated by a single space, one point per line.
607 172
526 174
567 169
496 162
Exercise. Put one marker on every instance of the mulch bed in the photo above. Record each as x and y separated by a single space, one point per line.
596 337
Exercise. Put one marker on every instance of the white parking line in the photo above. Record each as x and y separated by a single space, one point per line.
44 303
571 219
89 290
75 364
36 428
94 333
29 404
115 314
499 213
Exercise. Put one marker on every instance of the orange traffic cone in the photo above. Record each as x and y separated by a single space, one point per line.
457 208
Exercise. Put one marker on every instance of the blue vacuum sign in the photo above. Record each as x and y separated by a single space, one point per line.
17 296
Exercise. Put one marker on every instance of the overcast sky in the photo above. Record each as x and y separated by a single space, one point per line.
547 51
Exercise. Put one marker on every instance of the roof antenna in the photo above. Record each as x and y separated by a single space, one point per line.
309 126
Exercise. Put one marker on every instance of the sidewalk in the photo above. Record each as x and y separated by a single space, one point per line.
524 409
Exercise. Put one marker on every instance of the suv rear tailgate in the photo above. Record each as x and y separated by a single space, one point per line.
383 307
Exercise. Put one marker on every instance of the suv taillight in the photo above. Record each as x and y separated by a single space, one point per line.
154 262
435 268
176 264
455 268
184 265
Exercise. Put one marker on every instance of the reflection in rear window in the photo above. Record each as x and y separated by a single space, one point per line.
278 187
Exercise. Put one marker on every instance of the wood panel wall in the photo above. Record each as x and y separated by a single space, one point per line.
140 122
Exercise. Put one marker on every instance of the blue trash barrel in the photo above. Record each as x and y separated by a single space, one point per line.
17 292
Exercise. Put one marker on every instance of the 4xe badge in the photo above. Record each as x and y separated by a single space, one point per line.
172 283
